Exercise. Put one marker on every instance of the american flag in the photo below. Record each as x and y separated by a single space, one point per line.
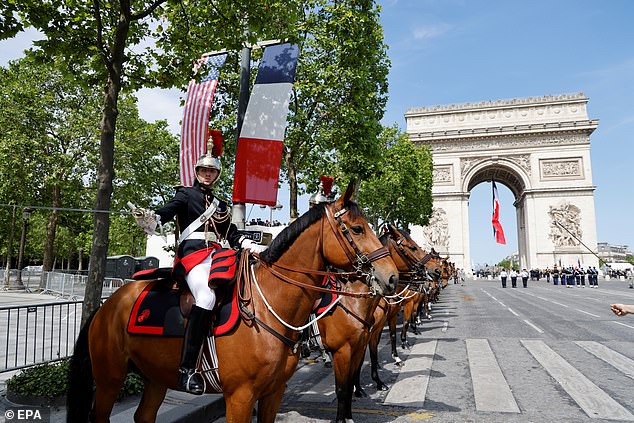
196 115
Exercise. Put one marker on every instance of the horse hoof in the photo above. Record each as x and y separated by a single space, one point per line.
360 393
382 387
429 317
328 364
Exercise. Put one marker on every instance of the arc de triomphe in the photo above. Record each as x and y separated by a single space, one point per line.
539 147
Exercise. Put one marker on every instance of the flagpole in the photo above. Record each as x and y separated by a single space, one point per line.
581 242
238 210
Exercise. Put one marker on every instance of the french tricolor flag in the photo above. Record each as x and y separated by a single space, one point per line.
262 136
495 220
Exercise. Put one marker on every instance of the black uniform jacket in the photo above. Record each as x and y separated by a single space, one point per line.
188 204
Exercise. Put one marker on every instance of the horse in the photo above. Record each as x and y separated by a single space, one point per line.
260 354
413 263
347 330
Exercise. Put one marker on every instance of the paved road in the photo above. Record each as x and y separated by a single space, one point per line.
543 354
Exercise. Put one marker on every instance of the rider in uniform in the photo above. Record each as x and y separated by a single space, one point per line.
207 223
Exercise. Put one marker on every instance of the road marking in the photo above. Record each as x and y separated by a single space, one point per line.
533 326
322 392
490 388
585 312
623 324
411 385
613 358
592 399
511 310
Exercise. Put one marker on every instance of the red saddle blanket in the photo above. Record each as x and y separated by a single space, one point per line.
157 311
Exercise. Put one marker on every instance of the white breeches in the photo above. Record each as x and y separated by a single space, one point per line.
197 280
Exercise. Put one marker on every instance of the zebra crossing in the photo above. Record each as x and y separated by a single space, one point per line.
412 385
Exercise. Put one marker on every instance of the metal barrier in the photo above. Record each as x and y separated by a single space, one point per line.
65 285
36 334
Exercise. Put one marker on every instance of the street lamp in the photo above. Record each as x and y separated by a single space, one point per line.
278 206
7 274
26 214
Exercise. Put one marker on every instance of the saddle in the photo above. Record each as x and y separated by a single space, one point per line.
164 305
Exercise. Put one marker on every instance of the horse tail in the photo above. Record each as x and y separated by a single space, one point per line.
80 381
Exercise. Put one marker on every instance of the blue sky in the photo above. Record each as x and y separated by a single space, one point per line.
456 51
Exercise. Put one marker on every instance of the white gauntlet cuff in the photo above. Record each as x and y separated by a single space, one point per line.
147 220
247 243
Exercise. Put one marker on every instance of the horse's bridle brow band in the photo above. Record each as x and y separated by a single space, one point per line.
358 258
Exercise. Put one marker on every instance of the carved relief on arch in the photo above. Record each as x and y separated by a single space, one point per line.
565 225
467 163
443 175
521 160
437 231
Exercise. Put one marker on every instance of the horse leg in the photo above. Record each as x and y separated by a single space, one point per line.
344 376
268 406
106 393
392 325
153 396
239 405
374 361
407 314
359 392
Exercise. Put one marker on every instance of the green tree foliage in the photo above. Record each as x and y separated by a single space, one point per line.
505 263
111 44
50 150
400 189
339 96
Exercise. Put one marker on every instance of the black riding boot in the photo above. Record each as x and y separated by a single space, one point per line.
195 333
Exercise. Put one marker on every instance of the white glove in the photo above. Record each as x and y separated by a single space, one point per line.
253 246
147 220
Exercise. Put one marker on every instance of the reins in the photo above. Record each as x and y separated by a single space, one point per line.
358 259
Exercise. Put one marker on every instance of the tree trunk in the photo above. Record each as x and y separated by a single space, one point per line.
99 248
292 186
51 228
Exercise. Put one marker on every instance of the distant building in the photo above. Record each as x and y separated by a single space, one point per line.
613 253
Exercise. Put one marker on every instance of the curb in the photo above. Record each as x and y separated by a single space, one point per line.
207 407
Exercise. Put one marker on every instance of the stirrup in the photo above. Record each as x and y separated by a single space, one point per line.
190 381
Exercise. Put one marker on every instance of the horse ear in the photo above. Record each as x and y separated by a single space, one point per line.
347 196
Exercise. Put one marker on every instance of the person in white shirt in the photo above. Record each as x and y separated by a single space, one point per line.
503 276
513 276
524 275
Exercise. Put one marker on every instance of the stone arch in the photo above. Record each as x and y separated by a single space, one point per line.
501 170
539 147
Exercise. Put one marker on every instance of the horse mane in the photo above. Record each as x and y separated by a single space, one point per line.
285 238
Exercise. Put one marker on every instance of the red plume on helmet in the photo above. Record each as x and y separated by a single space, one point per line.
326 182
216 138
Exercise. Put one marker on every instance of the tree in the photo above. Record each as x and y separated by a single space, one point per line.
47 114
100 43
400 189
339 96
505 263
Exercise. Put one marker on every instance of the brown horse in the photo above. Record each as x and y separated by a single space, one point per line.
346 332
414 264
260 355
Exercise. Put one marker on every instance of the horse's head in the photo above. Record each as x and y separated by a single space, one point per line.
351 244
424 266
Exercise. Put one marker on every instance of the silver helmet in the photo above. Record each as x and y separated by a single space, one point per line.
318 197
208 161
324 192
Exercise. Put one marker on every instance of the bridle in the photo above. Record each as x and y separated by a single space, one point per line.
418 266
361 262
